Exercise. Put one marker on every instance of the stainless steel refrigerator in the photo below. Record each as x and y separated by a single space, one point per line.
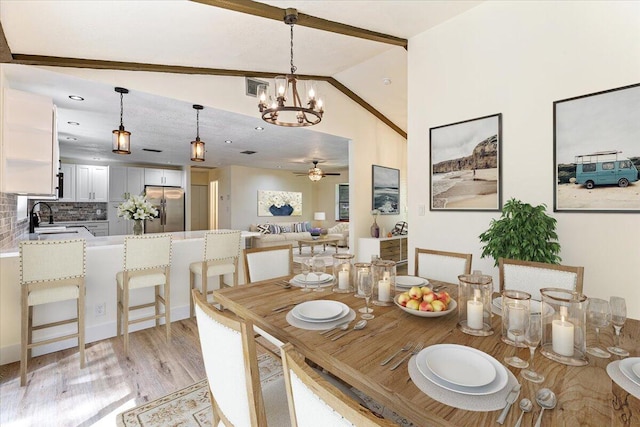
170 204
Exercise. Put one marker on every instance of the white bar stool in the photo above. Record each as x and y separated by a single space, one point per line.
221 253
147 262
50 271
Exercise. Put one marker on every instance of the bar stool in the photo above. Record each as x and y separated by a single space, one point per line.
50 271
147 262
221 253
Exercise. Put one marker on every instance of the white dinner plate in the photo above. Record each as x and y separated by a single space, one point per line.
462 366
499 382
626 367
535 306
313 279
410 281
636 368
319 310
344 311
452 306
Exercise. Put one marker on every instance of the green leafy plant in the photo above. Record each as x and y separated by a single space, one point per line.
523 232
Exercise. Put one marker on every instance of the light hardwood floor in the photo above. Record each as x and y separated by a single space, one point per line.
59 393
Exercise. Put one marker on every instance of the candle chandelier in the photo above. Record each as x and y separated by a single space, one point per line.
274 108
121 138
197 146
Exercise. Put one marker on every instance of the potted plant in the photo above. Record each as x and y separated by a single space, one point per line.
523 232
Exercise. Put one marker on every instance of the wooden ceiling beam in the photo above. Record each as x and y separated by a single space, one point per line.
272 12
56 61
5 51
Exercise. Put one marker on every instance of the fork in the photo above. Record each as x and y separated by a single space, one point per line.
406 347
415 351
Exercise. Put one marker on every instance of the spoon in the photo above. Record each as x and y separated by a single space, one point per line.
547 400
526 405
360 325
342 327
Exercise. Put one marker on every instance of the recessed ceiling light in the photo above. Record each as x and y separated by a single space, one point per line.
96 158
228 141
74 123
259 128
386 81
76 98
70 138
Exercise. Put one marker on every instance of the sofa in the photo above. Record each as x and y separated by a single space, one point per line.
280 233
341 231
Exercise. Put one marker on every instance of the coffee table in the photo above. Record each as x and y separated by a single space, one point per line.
332 241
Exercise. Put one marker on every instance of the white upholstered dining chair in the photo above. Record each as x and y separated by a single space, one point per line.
231 364
221 253
442 266
268 263
530 277
147 263
50 271
315 402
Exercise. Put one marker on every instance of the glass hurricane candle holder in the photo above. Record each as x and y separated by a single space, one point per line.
564 319
343 276
384 282
474 304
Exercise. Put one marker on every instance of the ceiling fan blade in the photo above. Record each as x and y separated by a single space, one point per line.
330 173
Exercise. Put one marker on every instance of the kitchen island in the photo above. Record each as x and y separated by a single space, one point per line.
104 258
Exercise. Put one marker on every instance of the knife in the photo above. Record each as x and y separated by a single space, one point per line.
513 395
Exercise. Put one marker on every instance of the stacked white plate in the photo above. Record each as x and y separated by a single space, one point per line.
312 280
320 311
407 282
535 306
630 367
462 369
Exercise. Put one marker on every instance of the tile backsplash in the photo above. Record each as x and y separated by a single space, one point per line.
69 211
12 228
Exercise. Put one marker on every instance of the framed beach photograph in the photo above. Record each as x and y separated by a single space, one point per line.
465 165
386 190
596 139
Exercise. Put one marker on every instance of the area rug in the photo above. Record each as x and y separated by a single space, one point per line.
326 255
191 406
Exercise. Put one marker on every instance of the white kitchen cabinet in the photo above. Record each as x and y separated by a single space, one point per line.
164 177
69 182
92 183
125 182
29 152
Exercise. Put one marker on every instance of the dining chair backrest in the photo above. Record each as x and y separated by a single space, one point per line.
147 251
530 276
313 401
230 361
442 266
51 260
222 245
268 263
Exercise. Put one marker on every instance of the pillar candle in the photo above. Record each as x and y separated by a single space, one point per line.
475 311
562 333
384 290
343 279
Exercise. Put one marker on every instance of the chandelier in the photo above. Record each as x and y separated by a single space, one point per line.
121 138
276 111
197 146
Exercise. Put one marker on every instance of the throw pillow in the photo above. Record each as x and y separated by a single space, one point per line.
274 229
285 229
299 227
263 228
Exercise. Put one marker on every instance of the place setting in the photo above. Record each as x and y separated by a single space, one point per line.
313 276
320 315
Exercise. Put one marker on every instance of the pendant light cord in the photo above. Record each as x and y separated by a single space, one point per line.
197 125
293 67
121 108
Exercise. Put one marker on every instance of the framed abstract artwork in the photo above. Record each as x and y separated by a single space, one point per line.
386 190
465 165
279 203
596 139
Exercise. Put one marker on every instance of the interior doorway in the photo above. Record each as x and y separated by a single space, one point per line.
199 207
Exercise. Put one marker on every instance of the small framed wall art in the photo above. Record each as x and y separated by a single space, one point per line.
386 190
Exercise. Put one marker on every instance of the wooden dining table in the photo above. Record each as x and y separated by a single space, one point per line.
586 395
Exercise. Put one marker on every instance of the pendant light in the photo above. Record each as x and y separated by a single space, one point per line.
197 146
121 138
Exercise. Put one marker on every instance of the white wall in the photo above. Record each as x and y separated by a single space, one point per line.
517 58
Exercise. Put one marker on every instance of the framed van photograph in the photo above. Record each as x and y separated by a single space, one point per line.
465 165
386 190
596 139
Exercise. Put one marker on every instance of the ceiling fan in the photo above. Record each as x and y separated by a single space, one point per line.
316 174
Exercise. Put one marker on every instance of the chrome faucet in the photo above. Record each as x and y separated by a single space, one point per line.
33 217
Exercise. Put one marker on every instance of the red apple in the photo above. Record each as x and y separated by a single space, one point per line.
425 306
429 296
413 304
444 297
403 298
415 293
438 305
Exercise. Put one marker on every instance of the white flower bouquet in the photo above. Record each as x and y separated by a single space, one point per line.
137 207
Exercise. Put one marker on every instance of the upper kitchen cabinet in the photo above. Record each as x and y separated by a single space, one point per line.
164 177
29 152
125 182
69 183
92 183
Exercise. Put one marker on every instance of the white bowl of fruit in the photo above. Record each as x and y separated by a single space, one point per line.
423 302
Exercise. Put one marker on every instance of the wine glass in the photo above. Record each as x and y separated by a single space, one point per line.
518 315
599 315
365 287
618 316
532 337
318 268
305 266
